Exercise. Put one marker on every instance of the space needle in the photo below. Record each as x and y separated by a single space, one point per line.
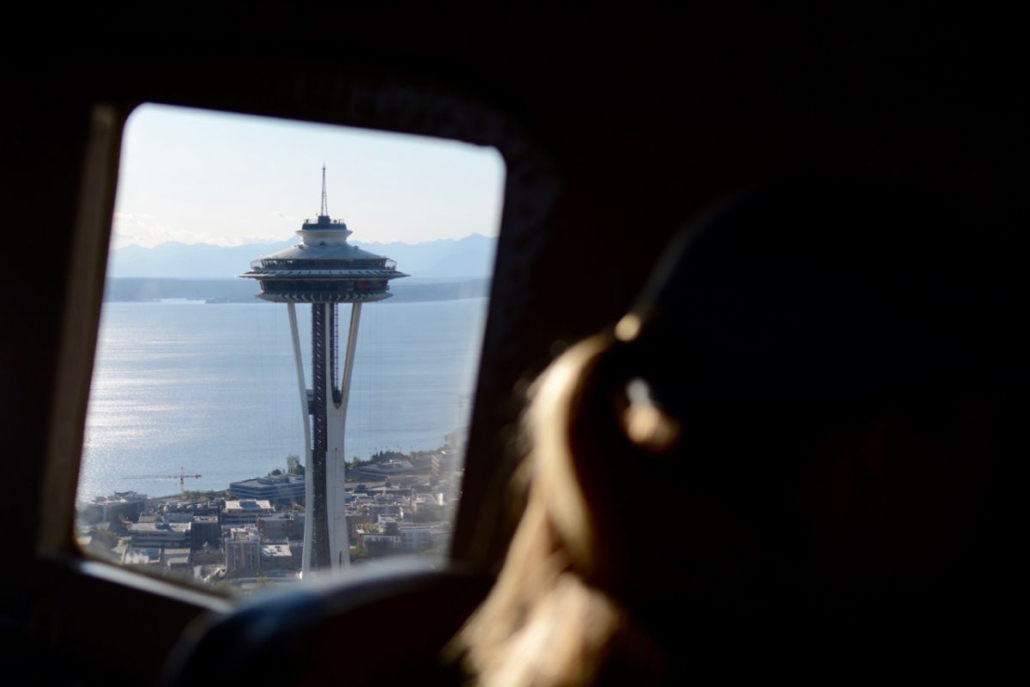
324 270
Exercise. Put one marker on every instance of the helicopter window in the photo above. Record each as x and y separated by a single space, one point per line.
260 413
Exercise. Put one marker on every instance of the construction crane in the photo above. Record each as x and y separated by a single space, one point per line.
182 481
182 477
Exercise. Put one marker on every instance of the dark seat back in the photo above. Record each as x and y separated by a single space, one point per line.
379 625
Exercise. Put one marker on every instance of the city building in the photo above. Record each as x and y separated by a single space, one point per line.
242 551
356 521
160 534
127 505
280 527
176 560
205 529
191 508
415 538
245 512
379 545
276 557
379 511
275 488
146 558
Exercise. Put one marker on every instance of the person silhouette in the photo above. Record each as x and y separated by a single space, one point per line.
792 446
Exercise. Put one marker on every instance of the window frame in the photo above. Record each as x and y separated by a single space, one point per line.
345 98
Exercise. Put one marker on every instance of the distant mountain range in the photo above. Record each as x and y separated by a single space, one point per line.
438 270
453 259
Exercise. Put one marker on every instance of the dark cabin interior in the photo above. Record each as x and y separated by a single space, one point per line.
617 125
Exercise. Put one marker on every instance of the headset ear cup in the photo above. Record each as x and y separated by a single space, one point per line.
645 423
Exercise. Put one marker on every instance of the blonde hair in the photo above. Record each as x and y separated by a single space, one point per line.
551 618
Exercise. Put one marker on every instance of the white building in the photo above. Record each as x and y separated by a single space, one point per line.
245 512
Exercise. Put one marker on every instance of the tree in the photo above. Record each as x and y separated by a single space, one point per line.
106 537
293 465
384 456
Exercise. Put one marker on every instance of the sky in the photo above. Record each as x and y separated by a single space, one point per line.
196 176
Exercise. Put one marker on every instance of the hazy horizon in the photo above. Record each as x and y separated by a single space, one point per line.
268 242
468 257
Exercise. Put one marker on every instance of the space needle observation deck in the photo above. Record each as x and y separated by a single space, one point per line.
324 270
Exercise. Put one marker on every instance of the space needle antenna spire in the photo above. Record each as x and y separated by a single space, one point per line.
324 212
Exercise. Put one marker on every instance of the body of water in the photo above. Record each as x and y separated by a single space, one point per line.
211 389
